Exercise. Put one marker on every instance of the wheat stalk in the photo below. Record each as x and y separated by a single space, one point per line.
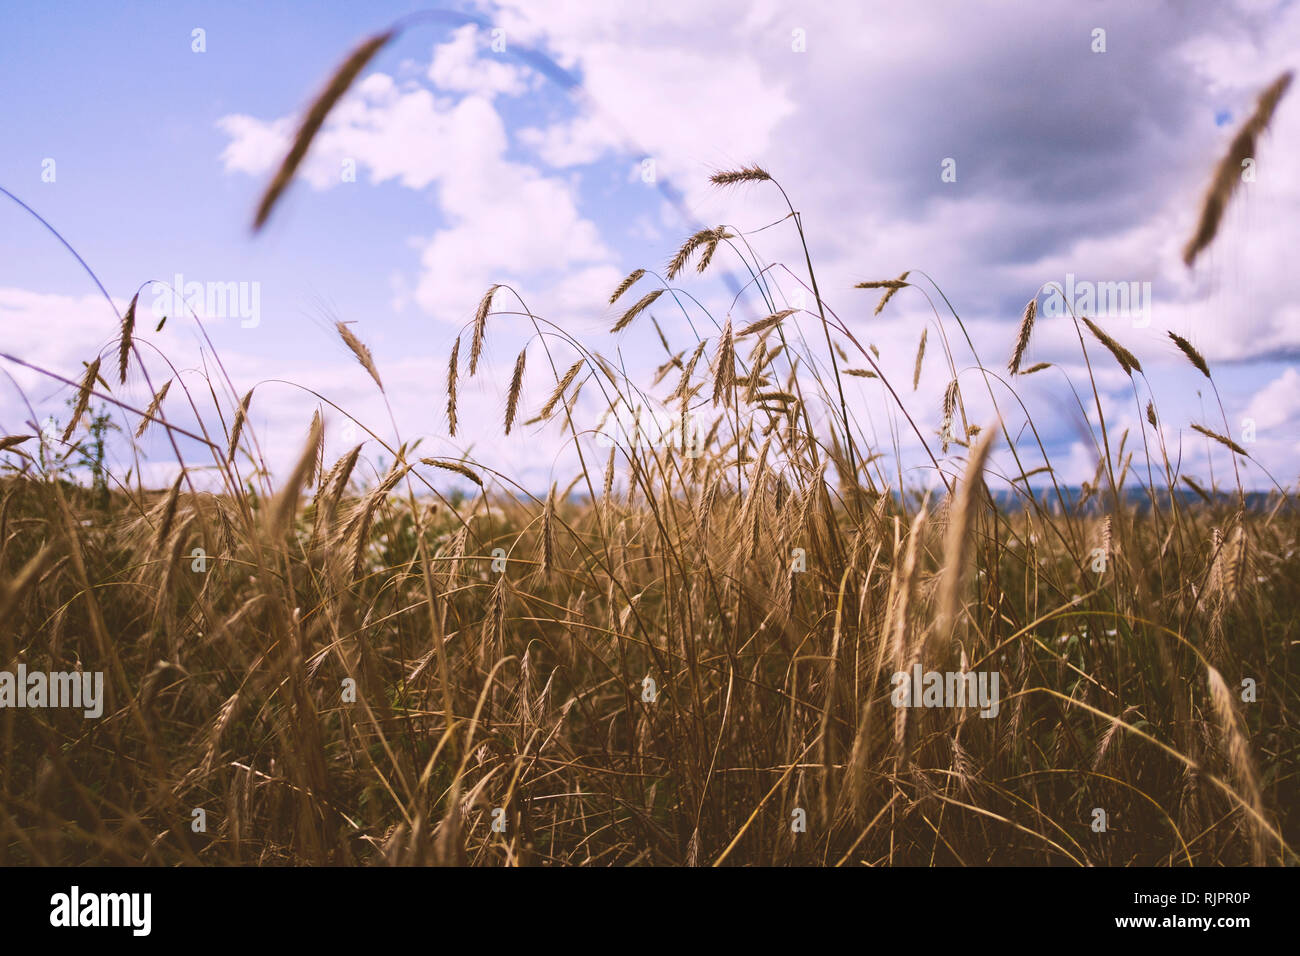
707 239
890 292
480 328
516 386
632 279
1227 175
320 108
960 520
560 388
920 357
762 325
746 174
641 305
456 466
724 373
451 387
360 351
152 411
1022 335
1193 356
125 339
1123 356
235 429
1222 440
83 398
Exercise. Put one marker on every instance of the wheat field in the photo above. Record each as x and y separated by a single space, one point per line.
687 656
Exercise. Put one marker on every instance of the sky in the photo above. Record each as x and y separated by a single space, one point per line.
990 148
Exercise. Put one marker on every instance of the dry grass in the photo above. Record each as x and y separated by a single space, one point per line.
659 663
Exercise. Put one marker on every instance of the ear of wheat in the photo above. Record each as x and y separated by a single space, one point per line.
632 279
125 339
516 386
1126 359
480 329
359 350
315 118
890 292
920 357
641 305
746 174
83 398
451 387
1221 439
1227 175
1022 335
1193 356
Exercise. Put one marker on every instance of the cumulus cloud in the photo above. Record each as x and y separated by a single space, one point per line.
1068 162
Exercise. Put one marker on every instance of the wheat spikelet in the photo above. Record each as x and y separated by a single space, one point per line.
151 412
1222 440
949 410
1238 751
1036 367
897 620
641 305
960 520
458 545
893 284
168 514
1151 414
338 85
480 328
12 441
762 325
1022 335
889 293
1201 492
1123 356
125 339
1228 173
859 372
365 513
83 398
608 487
632 279
318 453
330 489
920 357
548 533
279 515
451 387
516 386
359 349
560 388
707 255
456 466
705 238
237 428
1193 356
724 373
746 174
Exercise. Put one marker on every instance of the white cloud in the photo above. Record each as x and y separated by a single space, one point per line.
1278 402
466 64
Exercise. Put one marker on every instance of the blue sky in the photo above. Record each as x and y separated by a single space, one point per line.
473 168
